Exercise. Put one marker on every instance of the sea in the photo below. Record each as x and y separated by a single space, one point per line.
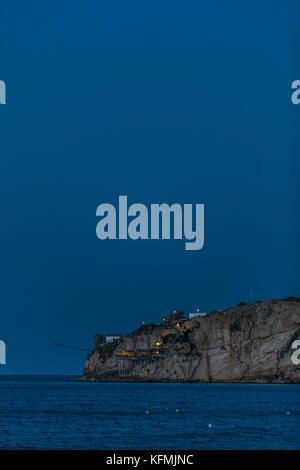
56 412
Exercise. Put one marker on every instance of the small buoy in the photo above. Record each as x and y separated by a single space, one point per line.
177 410
210 425
147 412
288 412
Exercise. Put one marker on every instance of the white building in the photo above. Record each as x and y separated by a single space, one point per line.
111 338
197 314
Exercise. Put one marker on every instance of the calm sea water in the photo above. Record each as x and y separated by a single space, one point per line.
58 413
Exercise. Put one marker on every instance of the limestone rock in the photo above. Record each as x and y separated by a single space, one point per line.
249 343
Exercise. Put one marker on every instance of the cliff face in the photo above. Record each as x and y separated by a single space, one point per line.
249 343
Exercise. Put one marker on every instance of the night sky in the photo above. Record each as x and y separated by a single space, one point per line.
186 102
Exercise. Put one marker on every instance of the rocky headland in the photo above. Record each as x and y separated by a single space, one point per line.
250 343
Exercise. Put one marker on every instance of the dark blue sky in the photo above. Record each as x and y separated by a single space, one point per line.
168 101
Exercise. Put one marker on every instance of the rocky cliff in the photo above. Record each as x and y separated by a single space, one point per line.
249 343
